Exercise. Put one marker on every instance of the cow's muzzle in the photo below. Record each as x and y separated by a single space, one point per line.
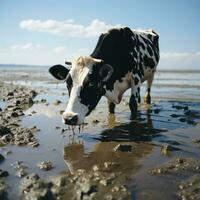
70 119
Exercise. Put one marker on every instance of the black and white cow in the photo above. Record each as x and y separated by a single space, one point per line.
123 59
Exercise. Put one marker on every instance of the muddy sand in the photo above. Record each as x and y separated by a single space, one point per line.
154 157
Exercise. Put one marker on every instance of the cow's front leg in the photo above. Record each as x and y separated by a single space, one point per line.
135 96
133 106
111 107
147 97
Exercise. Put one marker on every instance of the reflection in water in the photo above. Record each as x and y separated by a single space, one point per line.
125 134
138 130
125 162
150 123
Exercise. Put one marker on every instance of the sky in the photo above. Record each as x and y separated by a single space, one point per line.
47 32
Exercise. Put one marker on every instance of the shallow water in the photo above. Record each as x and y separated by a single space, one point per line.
164 122
94 145
173 85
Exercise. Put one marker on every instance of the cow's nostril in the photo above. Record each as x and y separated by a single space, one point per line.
74 119
71 120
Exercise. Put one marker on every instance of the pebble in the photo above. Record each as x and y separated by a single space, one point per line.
8 152
57 102
166 149
1 158
45 165
95 121
34 144
14 114
3 173
43 100
10 94
95 168
21 173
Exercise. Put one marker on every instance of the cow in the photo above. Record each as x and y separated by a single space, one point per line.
122 59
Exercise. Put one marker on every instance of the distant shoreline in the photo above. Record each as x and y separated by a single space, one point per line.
158 70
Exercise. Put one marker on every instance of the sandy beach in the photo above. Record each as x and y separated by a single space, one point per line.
156 156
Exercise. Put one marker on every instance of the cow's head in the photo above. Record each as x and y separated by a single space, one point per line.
85 82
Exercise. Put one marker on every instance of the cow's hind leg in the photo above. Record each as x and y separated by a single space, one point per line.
111 107
135 96
147 97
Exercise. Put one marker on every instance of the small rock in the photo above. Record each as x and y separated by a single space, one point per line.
57 127
33 93
17 102
43 100
110 166
166 149
109 197
6 138
35 129
115 189
180 160
3 173
105 182
21 173
35 188
3 193
95 168
197 142
4 130
57 102
95 121
1 158
30 101
34 144
62 111
14 114
10 94
8 152
45 165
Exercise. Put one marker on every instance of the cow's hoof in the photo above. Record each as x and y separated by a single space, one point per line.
133 116
147 99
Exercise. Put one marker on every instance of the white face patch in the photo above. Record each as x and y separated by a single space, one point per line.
80 69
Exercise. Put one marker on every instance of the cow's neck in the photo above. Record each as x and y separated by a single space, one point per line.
118 88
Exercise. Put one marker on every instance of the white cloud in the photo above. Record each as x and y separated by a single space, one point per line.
60 49
181 60
67 27
37 54
178 55
25 47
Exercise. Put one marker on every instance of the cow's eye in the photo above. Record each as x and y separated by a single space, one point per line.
91 84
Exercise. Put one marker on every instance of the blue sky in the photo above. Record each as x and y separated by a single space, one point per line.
51 31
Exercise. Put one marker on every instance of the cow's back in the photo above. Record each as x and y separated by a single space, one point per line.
147 52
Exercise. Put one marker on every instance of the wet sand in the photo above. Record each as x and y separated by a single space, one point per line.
154 157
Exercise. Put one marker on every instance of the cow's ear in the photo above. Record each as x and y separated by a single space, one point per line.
106 72
59 72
